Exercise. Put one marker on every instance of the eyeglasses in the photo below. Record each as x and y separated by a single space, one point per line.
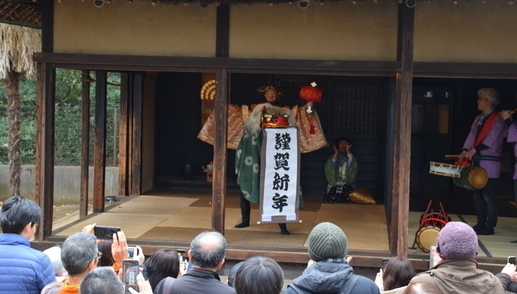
99 255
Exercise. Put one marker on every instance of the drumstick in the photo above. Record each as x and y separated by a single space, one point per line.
451 156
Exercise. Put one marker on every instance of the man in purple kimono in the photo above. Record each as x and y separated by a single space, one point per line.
512 138
483 147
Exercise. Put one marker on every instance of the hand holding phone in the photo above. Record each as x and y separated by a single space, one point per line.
130 269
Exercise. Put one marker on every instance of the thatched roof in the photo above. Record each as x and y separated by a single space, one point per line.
24 13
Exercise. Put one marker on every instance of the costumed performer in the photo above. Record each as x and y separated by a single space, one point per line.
340 171
240 119
247 162
483 147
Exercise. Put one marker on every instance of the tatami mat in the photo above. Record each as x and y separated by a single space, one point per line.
136 216
363 224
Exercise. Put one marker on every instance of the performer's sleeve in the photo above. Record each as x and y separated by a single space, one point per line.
469 142
311 134
330 171
235 127
512 133
352 172
496 133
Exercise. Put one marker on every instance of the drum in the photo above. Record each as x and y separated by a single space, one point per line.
425 237
445 169
472 178
431 222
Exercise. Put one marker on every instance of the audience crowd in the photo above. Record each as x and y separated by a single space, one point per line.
85 265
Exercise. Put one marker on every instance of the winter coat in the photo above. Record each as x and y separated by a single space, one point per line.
330 276
461 276
23 270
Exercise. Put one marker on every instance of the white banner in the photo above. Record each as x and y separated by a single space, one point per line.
279 176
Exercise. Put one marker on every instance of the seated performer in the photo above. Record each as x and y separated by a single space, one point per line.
340 171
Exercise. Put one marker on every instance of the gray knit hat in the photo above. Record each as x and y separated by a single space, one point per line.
327 240
457 241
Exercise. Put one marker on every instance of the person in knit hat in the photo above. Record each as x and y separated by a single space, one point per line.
328 270
458 270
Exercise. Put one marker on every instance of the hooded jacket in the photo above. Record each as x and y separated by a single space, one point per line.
330 276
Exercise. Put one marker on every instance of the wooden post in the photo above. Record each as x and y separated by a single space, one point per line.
402 142
99 157
136 135
222 39
85 154
123 158
44 177
221 126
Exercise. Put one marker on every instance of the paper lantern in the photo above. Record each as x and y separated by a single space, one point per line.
311 93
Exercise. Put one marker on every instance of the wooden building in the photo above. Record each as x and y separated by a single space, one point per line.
400 78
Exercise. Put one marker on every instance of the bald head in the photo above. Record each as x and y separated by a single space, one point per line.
208 249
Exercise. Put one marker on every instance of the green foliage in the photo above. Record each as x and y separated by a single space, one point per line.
68 139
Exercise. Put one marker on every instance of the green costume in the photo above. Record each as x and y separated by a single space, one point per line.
347 172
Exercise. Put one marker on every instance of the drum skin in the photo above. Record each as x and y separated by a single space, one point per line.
472 178
425 237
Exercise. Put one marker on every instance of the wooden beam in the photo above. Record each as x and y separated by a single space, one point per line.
196 64
136 134
221 126
99 153
85 147
222 34
44 177
123 152
402 143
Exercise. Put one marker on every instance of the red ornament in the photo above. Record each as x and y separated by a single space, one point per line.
311 93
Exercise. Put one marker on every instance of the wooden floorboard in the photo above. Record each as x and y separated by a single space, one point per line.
172 219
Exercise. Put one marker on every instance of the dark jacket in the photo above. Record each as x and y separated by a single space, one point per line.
508 286
197 281
461 276
330 276
23 270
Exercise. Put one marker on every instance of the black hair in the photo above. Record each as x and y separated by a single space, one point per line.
399 271
259 275
163 263
342 138
17 212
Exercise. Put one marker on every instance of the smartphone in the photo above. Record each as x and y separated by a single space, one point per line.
131 251
130 268
384 261
182 256
105 232
511 259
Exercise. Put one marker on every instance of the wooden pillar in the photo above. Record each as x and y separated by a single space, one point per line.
85 134
220 154
402 141
99 153
123 158
136 134
47 26
222 40
44 177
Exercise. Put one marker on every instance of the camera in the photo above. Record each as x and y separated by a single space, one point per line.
511 259
384 261
303 4
131 251
105 232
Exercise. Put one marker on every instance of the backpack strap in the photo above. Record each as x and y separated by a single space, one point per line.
167 284
349 285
